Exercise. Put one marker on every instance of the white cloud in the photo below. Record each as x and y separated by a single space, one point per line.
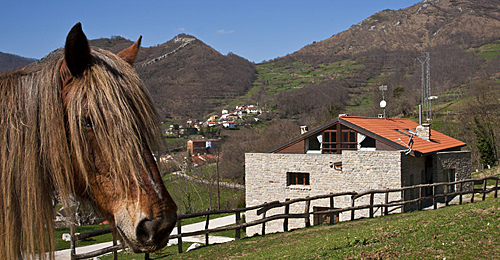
225 32
181 29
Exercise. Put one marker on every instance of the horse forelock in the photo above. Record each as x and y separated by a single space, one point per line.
112 98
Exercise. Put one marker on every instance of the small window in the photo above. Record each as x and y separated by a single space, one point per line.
297 178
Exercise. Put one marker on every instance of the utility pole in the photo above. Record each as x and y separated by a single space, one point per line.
217 173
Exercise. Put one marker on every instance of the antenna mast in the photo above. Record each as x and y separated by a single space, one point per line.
426 84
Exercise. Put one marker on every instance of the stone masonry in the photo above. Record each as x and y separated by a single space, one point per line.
266 181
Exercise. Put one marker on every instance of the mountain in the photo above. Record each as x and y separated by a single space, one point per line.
342 74
186 77
426 25
10 62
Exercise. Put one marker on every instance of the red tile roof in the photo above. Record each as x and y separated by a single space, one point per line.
386 128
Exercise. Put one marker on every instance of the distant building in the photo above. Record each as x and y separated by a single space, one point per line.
201 146
213 118
228 124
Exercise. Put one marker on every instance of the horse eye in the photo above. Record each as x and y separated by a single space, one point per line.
86 122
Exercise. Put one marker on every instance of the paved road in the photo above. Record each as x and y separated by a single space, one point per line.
218 222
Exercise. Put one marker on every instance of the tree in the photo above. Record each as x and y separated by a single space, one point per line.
485 142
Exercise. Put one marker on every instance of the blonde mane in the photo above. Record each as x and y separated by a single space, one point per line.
39 136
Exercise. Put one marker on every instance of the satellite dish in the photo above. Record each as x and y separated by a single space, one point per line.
383 104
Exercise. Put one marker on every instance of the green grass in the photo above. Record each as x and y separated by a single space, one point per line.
490 47
489 55
489 51
195 197
456 232
299 74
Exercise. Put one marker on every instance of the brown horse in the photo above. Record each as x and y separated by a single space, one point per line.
79 124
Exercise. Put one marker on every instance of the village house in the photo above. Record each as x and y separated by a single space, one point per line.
228 124
201 146
351 154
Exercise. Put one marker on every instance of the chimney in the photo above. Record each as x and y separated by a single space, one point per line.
424 131
303 129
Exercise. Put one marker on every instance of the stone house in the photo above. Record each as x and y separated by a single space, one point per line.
351 154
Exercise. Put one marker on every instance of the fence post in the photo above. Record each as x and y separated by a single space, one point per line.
446 194
237 234
434 199
264 224
285 221
496 187
472 197
420 198
73 242
146 256
115 252
460 198
331 219
352 210
307 220
206 227
386 210
484 188
179 233
371 204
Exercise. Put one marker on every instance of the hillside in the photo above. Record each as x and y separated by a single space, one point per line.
194 79
421 27
186 77
342 73
10 62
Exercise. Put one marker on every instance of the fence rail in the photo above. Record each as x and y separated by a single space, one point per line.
465 187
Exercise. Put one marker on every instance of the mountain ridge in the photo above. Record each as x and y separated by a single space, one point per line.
419 27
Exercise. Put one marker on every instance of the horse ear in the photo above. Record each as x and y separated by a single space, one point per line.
130 54
77 51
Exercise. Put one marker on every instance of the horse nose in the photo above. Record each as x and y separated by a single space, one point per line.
153 232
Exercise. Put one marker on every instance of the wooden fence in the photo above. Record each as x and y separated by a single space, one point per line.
449 190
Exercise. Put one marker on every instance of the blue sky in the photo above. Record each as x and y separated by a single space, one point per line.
256 30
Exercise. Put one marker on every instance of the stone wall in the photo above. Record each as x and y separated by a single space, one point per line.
412 173
460 161
266 181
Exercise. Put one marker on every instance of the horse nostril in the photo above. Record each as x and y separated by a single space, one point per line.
145 231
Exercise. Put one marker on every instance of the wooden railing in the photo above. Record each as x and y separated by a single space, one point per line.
465 187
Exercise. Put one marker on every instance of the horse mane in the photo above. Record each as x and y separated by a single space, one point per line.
35 155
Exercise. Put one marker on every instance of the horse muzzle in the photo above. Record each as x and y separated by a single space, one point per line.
148 234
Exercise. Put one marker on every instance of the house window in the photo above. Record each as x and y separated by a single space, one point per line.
339 138
297 178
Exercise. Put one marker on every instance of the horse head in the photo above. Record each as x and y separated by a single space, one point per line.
111 124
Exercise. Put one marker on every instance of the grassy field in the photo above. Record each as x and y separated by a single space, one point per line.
193 197
469 231
456 232
489 51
